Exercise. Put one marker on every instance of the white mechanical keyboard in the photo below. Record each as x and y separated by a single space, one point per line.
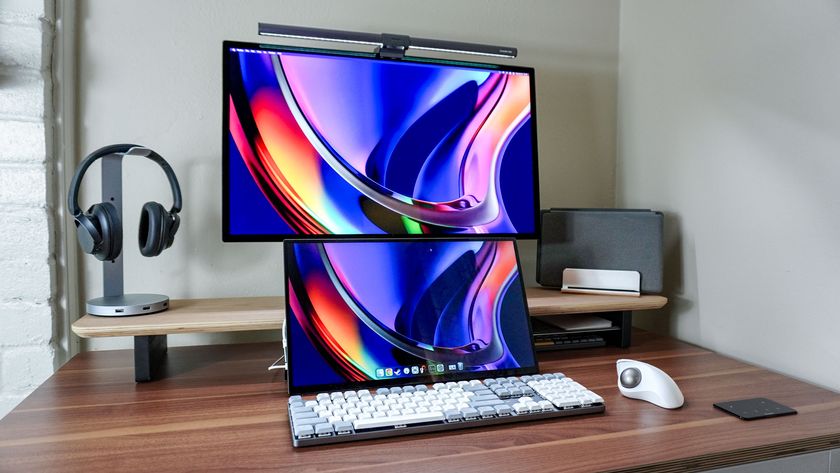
357 415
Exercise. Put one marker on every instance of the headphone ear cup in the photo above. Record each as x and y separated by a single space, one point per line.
110 230
175 224
152 232
88 233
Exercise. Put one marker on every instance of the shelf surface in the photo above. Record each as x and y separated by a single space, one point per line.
239 314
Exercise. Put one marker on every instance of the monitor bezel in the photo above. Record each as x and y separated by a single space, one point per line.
288 256
229 237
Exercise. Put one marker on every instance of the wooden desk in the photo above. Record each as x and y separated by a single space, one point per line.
219 409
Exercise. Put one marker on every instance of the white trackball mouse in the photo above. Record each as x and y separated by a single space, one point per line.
639 380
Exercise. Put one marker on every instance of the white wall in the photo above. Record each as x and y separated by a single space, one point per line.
150 72
26 318
729 120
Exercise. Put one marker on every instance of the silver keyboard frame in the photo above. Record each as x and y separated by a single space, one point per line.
438 426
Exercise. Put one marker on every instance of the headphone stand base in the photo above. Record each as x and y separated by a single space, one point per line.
127 304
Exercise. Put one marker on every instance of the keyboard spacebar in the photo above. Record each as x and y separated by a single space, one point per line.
377 422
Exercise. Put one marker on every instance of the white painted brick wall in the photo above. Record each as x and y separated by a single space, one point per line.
21 94
27 353
22 142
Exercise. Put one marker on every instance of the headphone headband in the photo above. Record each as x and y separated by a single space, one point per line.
124 149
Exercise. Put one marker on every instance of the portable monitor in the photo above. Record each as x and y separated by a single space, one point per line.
365 312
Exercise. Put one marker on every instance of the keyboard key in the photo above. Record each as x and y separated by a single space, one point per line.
382 391
503 410
469 413
487 411
304 415
396 390
343 428
488 397
421 388
453 415
304 431
309 421
491 403
408 389
324 430
375 423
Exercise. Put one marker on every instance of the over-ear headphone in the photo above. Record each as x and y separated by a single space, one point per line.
99 230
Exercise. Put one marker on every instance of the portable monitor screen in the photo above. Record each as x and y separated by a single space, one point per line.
380 312
322 143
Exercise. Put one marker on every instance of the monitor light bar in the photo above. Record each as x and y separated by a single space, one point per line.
388 45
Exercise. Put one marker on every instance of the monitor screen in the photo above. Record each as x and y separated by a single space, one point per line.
379 312
332 143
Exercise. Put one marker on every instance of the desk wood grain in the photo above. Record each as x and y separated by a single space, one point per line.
266 313
218 409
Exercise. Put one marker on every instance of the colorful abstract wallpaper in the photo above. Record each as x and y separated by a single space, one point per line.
333 144
373 310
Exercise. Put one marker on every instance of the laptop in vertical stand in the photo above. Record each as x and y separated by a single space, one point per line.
393 336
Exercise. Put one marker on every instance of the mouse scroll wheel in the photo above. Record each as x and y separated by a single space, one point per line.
630 377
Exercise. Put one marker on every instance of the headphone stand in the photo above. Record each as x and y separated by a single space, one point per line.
114 302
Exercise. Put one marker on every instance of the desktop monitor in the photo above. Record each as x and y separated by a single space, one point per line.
365 312
322 142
